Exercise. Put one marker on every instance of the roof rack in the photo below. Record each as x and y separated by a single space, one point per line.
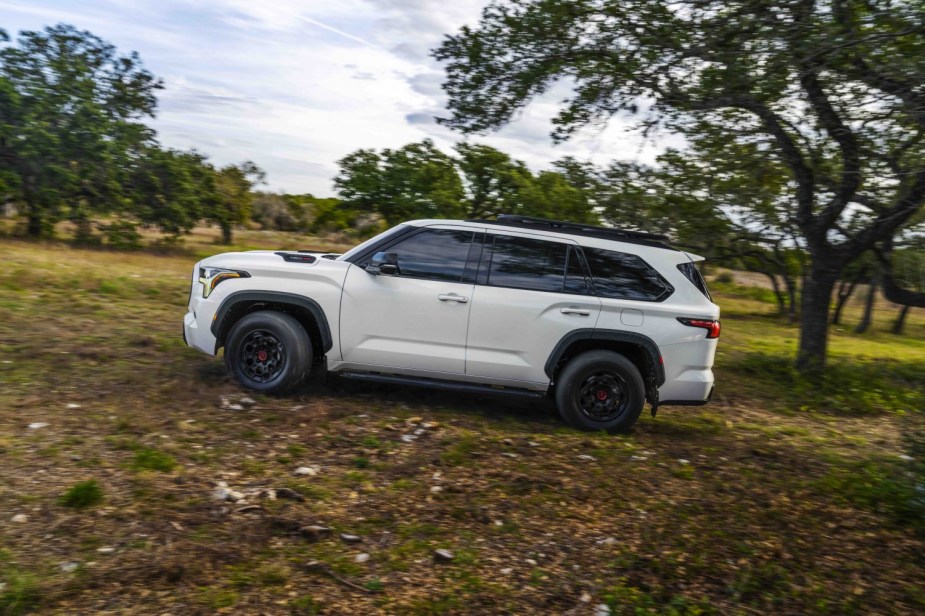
622 235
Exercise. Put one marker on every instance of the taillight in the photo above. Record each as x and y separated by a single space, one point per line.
712 327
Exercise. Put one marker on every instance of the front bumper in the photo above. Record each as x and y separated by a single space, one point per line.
197 334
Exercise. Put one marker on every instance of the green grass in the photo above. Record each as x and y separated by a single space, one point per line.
147 459
781 468
83 495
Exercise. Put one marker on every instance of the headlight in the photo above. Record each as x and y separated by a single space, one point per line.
210 277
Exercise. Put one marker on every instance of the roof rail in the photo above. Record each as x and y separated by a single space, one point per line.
623 235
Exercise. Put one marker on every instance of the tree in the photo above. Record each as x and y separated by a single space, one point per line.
494 182
70 107
414 181
234 197
830 90
420 181
170 189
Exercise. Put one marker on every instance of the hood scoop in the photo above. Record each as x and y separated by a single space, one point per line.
297 257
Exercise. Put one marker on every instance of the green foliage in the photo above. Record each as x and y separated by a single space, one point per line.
460 451
170 189
415 181
234 198
306 606
419 181
70 109
773 100
855 388
21 593
147 459
122 235
83 495
882 488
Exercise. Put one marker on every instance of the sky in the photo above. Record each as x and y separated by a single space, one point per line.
295 85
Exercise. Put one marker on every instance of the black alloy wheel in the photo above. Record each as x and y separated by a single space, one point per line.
602 396
263 356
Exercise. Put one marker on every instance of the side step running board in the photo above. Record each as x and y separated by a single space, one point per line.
374 377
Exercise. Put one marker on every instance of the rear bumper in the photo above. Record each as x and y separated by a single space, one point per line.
688 402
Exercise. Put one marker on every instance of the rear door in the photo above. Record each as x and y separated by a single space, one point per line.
531 292
417 319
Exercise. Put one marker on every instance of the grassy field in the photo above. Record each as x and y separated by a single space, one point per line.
782 496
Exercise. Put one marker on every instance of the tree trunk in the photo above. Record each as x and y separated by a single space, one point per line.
226 233
900 323
867 319
791 286
844 293
34 225
814 325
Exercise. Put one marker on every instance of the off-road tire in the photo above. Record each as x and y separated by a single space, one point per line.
268 352
600 390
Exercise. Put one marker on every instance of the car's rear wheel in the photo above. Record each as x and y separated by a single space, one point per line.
268 352
600 390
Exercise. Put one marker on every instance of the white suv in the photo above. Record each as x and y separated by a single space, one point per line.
600 319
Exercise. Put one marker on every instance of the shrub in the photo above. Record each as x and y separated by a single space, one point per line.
82 495
122 235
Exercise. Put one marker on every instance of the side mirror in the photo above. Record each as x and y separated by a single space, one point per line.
384 263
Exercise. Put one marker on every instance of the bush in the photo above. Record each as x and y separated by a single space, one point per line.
82 495
122 235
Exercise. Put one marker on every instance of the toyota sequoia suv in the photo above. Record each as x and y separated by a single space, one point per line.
600 319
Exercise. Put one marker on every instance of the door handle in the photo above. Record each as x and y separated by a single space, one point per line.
452 297
578 311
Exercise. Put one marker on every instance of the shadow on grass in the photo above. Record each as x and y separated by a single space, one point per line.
529 411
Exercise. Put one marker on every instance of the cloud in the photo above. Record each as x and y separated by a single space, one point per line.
295 85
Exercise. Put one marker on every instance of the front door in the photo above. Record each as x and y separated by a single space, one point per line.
415 319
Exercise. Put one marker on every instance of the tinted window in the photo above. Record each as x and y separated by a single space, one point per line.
436 254
575 279
523 263
619 275
691 272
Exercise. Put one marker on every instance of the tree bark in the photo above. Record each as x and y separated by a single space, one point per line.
867 319
814 326
34 225
791 286
226 233
900 323
845 291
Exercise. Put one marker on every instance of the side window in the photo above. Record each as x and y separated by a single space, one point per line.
619 275
522 263
435 254
575 279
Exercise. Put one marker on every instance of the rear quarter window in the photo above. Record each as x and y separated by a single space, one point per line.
692 273
620 275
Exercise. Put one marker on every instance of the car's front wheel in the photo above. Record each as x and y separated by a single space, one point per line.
600 390
268 352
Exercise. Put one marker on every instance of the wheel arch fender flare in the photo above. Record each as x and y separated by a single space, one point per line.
231 307
648 346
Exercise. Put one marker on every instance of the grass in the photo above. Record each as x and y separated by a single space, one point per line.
83 495
798 495
147 459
